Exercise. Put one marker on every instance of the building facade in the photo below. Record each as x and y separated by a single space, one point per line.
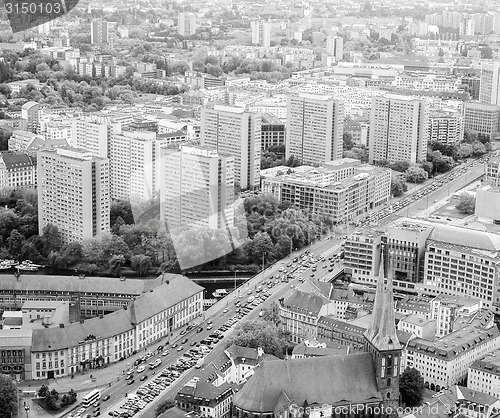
315 128
73 193
481 118
99 32
261 33
398 129
489 87
273 131
17 170
446 127
187 24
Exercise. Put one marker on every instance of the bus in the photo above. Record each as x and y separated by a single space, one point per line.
91 397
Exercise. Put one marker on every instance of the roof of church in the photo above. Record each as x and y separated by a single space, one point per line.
346 378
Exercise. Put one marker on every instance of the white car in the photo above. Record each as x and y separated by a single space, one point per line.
140 369
225 310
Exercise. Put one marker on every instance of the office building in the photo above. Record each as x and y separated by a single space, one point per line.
445 310
315 128
398 129
73 193
446 127
492 175
17 170
342 190
197 187
335 47
99 32
235 132
482 118
261 33
187 24
362 256
489 87
273 131
30 112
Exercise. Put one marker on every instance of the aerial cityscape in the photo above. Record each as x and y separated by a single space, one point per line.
249 210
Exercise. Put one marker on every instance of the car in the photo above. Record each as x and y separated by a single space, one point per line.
144 377
183 332
140 369
96 413
199 329
106 398
180 348
129 376
165 353
209 327
225 310
174 345
130 382
184 341
209 322
113 413
193 343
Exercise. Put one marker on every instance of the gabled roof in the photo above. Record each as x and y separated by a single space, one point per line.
343 379
15 159
238 352
305 302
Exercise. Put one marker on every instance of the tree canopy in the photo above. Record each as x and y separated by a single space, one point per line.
8 397
411 387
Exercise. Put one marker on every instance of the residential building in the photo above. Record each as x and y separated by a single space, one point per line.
446 127
243 362
484 374
446 309
342 189
335 47
315 128
482 118
419 326
445 360
362 256
30 112
492 175
235 132
197 187
99 32
73 193
187 24
92 133
205 397
414 305
398 129
272 131
489 87
17 170
261 33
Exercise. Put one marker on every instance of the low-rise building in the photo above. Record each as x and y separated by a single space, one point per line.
420 326
492 175
484 374
17 170
362 256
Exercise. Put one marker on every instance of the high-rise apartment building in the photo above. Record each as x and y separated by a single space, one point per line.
489 87
261 33
446 127
482 118
197 187
99 32
92 133
187 24
335 47
236 132
315 128
73 193
30 112
398 129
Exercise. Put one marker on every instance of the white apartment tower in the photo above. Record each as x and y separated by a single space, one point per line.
399 129
92 133
197 187
489 87
99 32
315 128
335 47
236 132
73 193
261 33
187 24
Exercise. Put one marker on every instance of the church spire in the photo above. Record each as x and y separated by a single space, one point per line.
382 331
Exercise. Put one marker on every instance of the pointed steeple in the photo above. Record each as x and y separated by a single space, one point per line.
382 331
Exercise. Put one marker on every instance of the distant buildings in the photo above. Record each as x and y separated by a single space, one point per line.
446 127
197 187
492 175
99 32
482 118
73 193
272 132
187 24
261 33
30 112
235 132
335 47
398 129
315 128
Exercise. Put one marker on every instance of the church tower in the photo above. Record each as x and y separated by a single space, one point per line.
382 342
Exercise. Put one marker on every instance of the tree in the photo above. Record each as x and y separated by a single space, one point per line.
51 400
116 264
262 246
8 397
140 263
51 238
398 187
255 334
411 386
164 406
400 166
486 53
43 391
464 150
416 174
272 314
15 243
466 203
348 142
478 149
